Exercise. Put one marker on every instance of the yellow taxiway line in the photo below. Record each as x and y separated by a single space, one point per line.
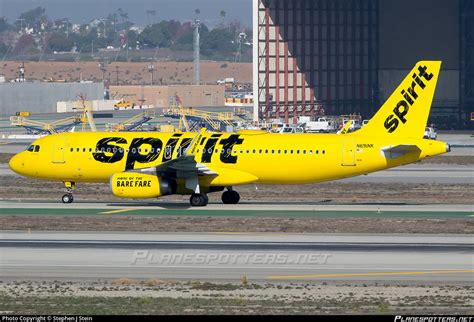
116 211
373 274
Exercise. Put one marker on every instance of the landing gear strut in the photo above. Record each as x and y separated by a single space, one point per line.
68 198
230 197
198 200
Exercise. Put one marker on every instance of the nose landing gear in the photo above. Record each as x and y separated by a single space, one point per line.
68 197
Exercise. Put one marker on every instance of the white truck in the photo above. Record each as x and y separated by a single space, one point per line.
430 133
321 125
286 129
228 80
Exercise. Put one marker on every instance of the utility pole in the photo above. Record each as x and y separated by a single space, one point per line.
103 68
197 71
117 74
151 69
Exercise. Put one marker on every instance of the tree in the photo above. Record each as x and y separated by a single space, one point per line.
113 18
24 44
131 38
156 35
3 49
32 18
4 24
151 12
218 40
59 42
223 13
122 14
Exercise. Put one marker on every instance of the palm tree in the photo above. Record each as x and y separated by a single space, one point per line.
150 12
223 15
122 14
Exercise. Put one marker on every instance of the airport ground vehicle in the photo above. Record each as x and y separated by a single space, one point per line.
287 129
150 165
430 133
321 125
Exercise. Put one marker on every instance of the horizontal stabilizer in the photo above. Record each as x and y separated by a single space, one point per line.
397 151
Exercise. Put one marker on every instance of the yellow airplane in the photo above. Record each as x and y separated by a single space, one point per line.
150 165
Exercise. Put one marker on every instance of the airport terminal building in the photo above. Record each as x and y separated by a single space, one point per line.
334 57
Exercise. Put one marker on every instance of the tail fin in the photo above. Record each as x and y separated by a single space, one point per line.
406 111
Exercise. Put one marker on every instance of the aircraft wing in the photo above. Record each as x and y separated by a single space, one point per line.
396 151
182 167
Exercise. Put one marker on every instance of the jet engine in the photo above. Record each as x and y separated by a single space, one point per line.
138 185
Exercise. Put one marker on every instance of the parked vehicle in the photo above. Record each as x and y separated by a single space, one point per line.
430 133
291 129
322 125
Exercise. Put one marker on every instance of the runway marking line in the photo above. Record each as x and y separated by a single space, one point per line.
373 274
116 211
244 233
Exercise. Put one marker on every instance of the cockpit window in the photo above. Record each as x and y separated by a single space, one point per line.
37 148
30 148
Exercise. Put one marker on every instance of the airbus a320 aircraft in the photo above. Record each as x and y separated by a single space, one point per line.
150 165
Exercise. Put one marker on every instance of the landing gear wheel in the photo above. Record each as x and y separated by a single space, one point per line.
68 198
230 197
198 200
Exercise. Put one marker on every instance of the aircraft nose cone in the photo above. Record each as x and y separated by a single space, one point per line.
16 164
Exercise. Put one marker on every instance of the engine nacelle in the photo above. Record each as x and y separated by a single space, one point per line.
138 185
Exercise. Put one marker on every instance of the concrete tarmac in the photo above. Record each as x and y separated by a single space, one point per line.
151 208
229 256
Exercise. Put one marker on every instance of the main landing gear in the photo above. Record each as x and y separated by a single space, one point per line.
68 198
198 200
230 197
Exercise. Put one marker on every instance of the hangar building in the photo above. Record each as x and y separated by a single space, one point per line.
334 57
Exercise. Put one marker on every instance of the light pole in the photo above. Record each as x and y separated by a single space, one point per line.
103 68
117 74
151 69
196 58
